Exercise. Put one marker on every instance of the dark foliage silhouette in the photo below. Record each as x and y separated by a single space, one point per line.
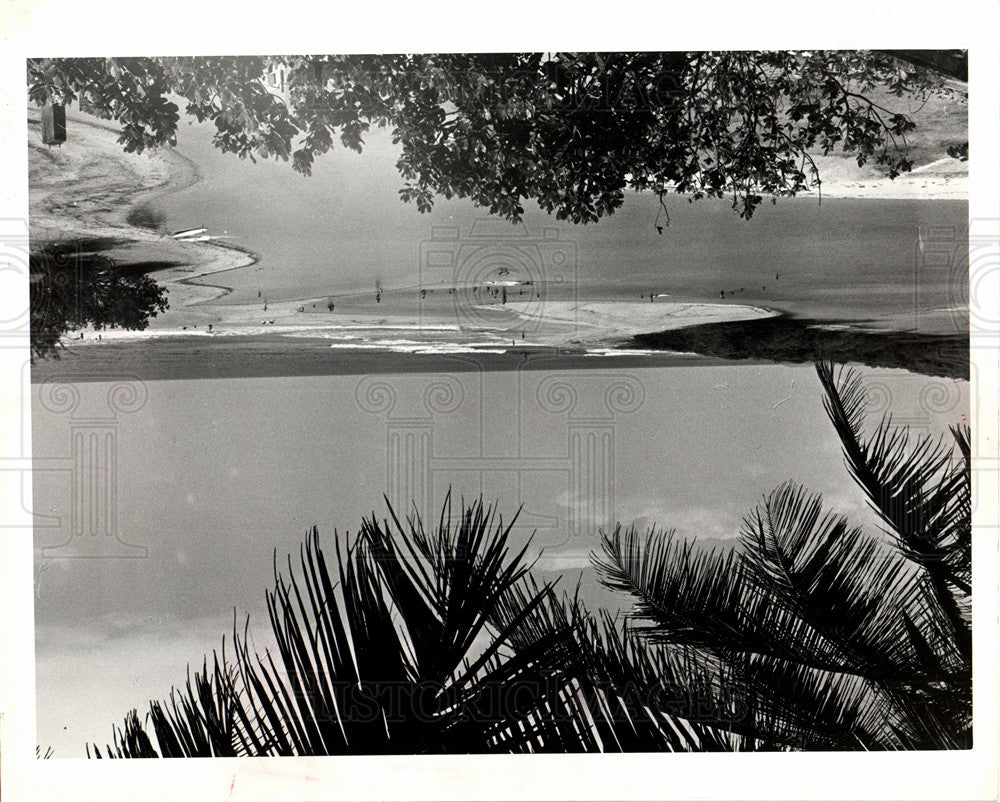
786 339
73 285
810 634
571 131
830 637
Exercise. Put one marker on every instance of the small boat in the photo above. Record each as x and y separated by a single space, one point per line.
206 237
188 232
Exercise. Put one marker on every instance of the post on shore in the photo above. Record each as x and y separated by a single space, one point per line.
53 124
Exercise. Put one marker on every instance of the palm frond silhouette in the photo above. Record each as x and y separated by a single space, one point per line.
829 637
809 633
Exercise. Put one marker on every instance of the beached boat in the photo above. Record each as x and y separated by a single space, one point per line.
188 232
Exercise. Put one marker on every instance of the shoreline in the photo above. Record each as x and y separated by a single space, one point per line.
260 356
943 179
193 290
571 327
88 192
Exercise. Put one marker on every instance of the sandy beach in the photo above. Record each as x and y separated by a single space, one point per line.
85 191
942 179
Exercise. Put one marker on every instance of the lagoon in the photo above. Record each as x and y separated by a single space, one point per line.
888 264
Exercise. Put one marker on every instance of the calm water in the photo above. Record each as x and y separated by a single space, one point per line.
344 230
201 480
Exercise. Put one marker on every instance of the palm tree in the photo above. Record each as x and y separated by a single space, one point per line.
389 652
812 634
825 636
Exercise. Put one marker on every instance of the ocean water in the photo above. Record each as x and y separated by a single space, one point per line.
892 264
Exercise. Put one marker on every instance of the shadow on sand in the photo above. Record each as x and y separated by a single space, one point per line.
74 285
785 339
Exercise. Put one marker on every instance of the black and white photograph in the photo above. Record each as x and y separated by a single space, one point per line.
385 405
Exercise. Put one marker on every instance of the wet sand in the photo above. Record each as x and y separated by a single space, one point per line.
86 191
261 356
